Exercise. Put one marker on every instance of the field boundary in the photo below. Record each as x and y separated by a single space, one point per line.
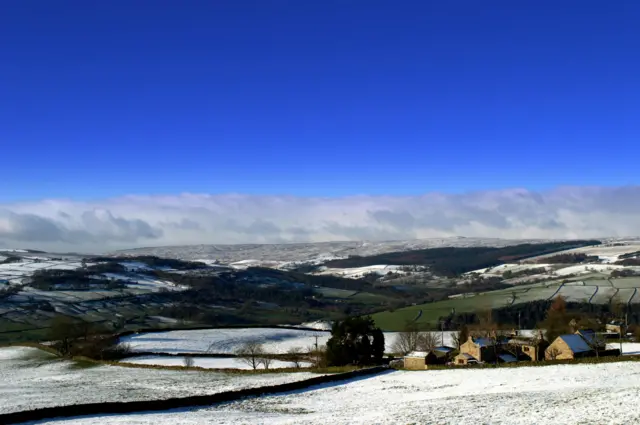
110 408
593 295
557 291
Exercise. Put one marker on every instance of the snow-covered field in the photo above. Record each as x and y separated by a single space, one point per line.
208 362
587 268
628 348
606 252
226 341
358 272
565 394
30 378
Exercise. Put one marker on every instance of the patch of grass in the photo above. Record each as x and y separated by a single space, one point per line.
426 316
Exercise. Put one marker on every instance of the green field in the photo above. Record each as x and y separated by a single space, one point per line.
355 296
425 316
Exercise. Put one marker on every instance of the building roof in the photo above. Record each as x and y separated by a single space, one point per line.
524 341
589 336
484 342
417 354
466 356
444 349
576 343
507 358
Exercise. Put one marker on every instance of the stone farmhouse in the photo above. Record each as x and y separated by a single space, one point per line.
582 343
419 360
514 348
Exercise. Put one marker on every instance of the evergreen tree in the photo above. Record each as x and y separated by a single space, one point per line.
355 340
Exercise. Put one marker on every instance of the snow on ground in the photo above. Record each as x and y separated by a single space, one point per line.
358 272
513 267
30 378
143 282
309 252
628 348
605 252
208 362
226 341
587 268
135 266
563 394
320 325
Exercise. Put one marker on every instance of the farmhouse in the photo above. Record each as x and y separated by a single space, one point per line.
422 359
528 349
616 327
582 343
478 349
416 360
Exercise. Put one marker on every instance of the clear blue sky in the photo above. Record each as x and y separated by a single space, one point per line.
329 98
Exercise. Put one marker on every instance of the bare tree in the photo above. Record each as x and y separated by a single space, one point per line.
317 355
406 341
251 353
295 356
188 361
266 362
427 341
460 336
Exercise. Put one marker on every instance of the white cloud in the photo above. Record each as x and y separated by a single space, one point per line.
131 221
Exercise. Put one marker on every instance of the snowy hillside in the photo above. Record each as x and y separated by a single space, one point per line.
564 394
312 252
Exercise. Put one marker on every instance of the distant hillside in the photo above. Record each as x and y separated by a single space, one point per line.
315 252
452 261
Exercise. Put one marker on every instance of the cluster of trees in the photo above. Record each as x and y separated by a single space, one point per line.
11 259
455 261
628 262
153 262
75 337
10 290
576 258
80 279
623 273
411 339
510 274
355 341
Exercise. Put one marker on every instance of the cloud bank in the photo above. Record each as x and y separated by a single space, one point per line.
134 221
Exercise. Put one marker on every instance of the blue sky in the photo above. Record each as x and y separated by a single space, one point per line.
332 98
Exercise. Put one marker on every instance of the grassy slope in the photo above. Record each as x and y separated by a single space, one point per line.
395 321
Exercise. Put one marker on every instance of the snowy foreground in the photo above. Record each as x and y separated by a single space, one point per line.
565 394
30 378
226 341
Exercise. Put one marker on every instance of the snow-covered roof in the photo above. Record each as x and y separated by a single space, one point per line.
417 354
576 343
